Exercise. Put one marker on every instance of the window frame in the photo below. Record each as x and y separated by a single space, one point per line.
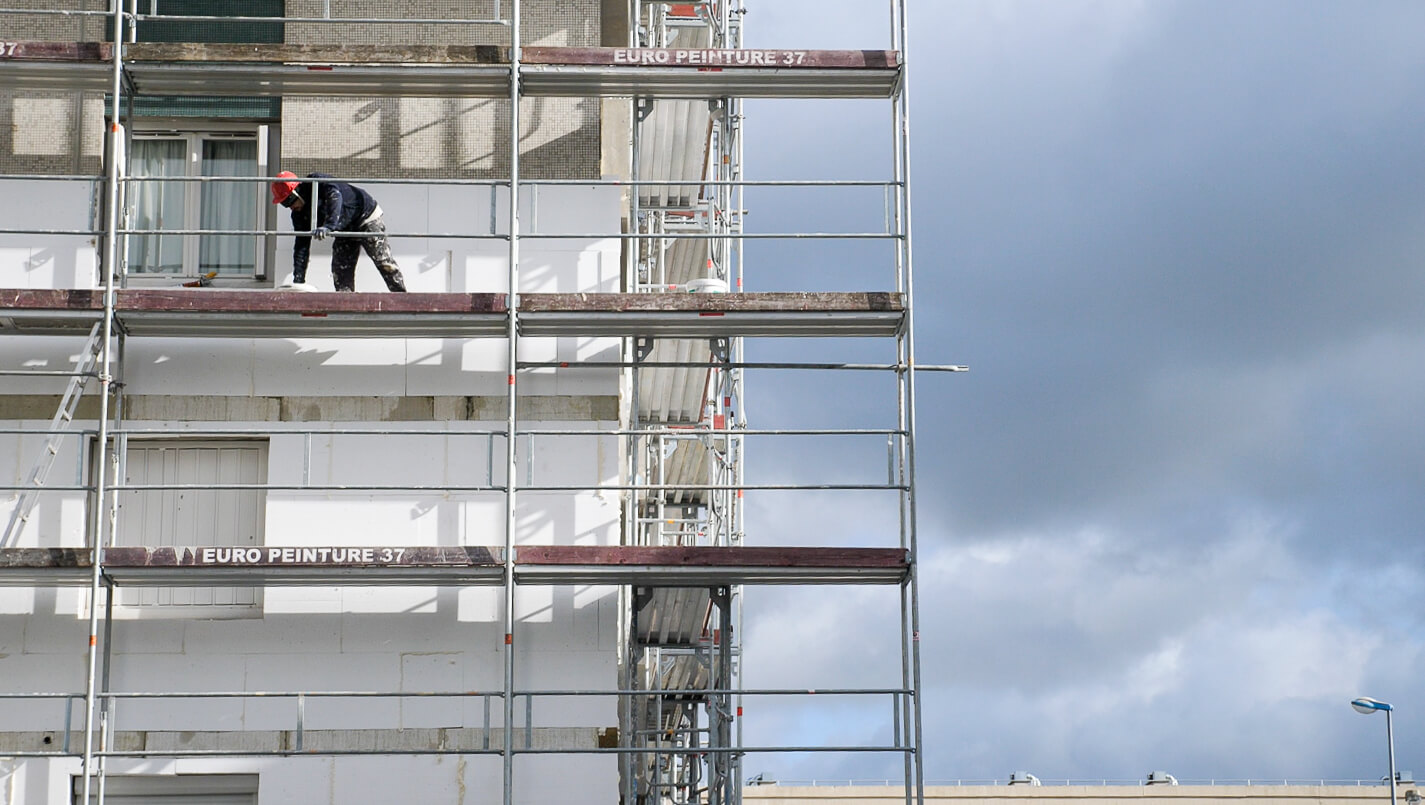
194 133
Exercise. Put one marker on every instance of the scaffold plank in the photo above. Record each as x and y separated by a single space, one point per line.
460 565
154 68
280 314
270 564
256 314
32 567
313 54
683 315
677 566
707 73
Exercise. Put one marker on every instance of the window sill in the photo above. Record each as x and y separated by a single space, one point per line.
176 281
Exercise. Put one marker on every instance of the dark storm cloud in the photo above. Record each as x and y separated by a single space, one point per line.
1234 200
1171 518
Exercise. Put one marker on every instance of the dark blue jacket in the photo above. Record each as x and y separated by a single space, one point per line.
344 208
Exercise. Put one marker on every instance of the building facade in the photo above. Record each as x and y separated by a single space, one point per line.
479 542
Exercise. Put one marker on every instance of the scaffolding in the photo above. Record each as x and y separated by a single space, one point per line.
681 317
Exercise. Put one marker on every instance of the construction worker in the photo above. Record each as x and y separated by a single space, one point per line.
344 208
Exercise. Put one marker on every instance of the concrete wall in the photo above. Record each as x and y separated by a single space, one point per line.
341 638
49 261
345 780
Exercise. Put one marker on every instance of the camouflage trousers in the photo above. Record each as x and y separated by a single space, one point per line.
345 252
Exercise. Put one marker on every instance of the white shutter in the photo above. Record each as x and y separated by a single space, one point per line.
183 789
180 799
192 517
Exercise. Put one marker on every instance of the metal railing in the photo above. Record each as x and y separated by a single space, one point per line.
1100 782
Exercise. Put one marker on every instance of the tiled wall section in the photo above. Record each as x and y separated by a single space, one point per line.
440 137
562 23
51 133
45 133
54 27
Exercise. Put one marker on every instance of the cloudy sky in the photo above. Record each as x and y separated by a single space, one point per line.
1169 520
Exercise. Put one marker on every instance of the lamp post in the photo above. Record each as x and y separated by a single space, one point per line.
1367 706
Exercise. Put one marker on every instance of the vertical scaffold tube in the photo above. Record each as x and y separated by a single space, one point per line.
901 113
736 126
108 266
511 470
117 458
632 707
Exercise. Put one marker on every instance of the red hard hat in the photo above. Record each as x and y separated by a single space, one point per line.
281 190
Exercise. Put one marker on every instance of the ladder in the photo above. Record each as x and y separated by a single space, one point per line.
58 426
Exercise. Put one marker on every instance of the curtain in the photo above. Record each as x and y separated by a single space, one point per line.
157 205
228 205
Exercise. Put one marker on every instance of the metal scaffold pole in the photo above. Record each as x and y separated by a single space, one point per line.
632 708
629 763
915 777
737 419
109 266
511 466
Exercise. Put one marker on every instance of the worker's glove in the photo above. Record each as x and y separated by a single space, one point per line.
321 232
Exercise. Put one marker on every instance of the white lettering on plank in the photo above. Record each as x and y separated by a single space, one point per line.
293 555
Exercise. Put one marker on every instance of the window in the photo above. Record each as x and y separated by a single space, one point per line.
156 204
160 30
220 147
192 517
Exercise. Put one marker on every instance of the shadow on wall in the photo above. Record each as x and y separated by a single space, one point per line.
318 368
314 650
47 260
441 138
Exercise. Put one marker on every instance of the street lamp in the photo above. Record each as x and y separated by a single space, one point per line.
1367 706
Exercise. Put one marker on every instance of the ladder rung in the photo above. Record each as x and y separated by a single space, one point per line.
69 403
